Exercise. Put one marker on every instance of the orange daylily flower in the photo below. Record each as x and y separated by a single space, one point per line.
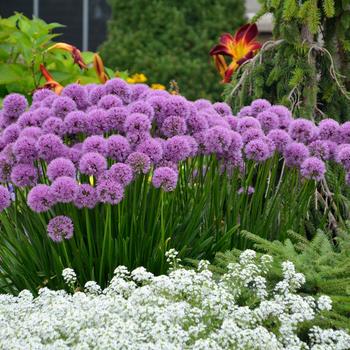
76 54
240 48
50 82
100 68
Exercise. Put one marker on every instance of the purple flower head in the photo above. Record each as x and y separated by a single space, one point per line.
11 133
5 198
109 101
25 150
320 149
344 133
24 175
41 114
158 103
246 123
252 134
257 150
49 147
193 145
48 101
60 227
177 106
329 129
245 112
55 126
40 198
86 197
97 121
174 125
28 119
109 191
121 173
78 94
8 152
165 178
139 162
135 138
34 106
268 120
295 153
92 163
302 130
14 105
142 107
176 149
31 131
202 104
234 160
90 87
259 106
74 153
5 168
218 139
222 108
40 94
118 147
343 156
120 88
197 123
201 139
116 118
233 122
280 138
137 90
152 148
95 144
96 93
270 145
284 114
64 189
168 164
249 191
137 122
313 168
62 106
60 167
76 122
332 148
236 142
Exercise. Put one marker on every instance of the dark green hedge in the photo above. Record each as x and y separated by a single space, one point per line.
170 40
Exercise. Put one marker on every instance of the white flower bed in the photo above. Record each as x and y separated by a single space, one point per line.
185 310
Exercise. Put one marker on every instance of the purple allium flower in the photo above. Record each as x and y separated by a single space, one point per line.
332 147
246 123
158 103
64 189
5 168
14 105
95 144
49 100
257 150
222 108
121 173
60 227
233 122
234 160
62 106
9 153
174 125
11 133
86 197
249 191
295 153
116 118
152 148
313 168
92 163
41 114
109 191
252 134
74 153
197 123
76 122
96 93
31 131
142 107
60 167
344 133
177 106
245 112
320 149
25 150
201 139
270 145
120 88
135 138
40 94
168 164
329 130
137 122
343 156
236 142
302 130
193 145
280 138
268 120
28 119
176 149
78 94
137 90
118 147
24 175
5 198
49 147
109 101
97 121
202 104
218 139
166 178
139 162
55 126
259 105
284 114
40 198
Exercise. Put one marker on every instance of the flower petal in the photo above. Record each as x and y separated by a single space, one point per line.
220 50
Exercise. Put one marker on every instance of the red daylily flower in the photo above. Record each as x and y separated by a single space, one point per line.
76 54
50 82
240 48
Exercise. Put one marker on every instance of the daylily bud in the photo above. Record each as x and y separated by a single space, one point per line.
76 54
50 82
100 68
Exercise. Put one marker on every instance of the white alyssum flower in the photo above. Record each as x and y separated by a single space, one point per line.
186 309
69 276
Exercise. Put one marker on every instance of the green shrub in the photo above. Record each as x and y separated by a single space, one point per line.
171 40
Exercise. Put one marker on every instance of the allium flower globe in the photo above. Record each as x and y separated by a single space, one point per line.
166 178
60 227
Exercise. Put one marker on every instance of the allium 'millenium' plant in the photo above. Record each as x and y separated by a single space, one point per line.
186 309
117 176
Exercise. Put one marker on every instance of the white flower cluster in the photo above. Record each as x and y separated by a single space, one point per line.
187 309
